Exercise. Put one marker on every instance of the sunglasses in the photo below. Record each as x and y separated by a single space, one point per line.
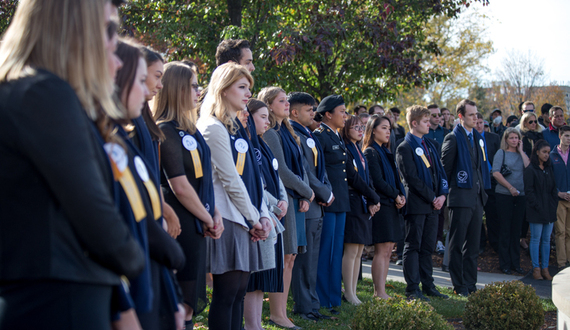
434 115
532 121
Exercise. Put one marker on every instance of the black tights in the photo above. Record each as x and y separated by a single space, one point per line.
226 309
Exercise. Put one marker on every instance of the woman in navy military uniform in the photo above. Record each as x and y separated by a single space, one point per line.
333 113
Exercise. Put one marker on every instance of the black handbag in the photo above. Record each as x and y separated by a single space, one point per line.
505 170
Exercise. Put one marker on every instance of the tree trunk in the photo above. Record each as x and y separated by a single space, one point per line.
234 10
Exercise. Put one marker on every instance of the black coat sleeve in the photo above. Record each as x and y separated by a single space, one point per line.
163 248
448 154
377 174
357 183
407 166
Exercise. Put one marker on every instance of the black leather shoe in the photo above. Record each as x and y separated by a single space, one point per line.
417 294
506 271
334 311
284 327
344 298
519 270
445 268
320 316
432 292
399 262
472 290
308 317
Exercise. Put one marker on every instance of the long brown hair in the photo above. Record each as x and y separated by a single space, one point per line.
268 95
129 53
151 56
174 101
371 125
350 120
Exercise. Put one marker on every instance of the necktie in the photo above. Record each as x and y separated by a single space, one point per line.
470 136
427 152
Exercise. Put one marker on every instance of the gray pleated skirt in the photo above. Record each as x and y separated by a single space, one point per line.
233 251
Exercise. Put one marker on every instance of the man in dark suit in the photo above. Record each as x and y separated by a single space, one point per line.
426 188
492 144
465 163
304 279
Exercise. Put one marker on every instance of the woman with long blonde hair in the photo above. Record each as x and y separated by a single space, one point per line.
73 240
187 180
284 144
238 193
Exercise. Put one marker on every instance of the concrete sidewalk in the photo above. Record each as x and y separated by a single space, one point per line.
442 279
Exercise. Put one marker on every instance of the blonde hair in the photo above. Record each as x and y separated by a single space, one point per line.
214 103
509 131
174 101
64 37
268 95
416 113
525 118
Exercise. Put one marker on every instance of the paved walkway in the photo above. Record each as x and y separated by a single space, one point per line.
395 273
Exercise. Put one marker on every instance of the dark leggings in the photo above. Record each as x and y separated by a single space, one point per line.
226 309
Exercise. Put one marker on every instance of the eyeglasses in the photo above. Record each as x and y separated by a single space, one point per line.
531 110
434 115
532 122
195 87
358 128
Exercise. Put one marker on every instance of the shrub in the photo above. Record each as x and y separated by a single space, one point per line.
397 314
504 305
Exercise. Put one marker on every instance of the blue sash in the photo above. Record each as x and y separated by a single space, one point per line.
265 159
250 176
292 155
463 172
442 187
321 156
147 147
362 171
389 168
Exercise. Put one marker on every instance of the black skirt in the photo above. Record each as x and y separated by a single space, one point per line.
387 225
270 280
358 227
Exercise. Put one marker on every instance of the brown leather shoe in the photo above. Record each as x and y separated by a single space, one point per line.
536 273
546 274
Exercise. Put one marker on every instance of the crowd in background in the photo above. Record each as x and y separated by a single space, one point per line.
127 189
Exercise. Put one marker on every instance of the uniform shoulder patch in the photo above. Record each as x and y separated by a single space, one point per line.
318 130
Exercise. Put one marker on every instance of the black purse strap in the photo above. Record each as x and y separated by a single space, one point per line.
504 154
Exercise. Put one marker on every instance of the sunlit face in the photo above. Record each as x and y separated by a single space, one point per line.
261 119
356 131
382 132
513 140
378 111
280 106
435 116
528 107
247 59
422 126
110 40
531 123
242 116
337 117
138 93
154 78
469 119
445 114
558 119
565 139
195 88
303 113
543 154
479 126
237 95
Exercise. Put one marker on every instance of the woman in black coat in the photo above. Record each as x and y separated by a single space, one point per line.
542 202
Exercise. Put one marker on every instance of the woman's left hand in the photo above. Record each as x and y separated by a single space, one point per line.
520 146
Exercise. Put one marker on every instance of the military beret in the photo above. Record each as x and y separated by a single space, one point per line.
329 103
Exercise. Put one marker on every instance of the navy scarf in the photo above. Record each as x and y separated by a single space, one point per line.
424 173
292 155
463 170
389 168
362 171
300 129
147 147
265 159
250 175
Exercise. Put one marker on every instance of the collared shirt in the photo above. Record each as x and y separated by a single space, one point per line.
436 134
563 154
334 130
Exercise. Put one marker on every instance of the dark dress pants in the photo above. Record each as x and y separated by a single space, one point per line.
492 220
304 280
421 235
511 211
465 231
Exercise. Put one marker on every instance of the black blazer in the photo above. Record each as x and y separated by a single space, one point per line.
357 183
322 190
541 194
335 158
419 195
383 189
493 142
57 217
461 197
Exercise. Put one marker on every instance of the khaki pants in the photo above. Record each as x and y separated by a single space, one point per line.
562 231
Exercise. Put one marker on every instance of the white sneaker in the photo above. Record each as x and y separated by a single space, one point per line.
440 248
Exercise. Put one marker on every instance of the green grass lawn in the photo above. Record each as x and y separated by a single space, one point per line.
451 308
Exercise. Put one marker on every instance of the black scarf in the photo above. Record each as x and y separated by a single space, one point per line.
292 155
300 129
